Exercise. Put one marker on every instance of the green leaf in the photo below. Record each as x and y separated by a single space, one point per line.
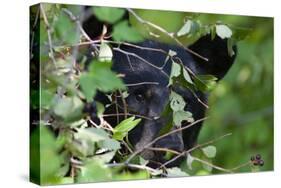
50 161
180 76
186 28
230 50
88 86
93 171
85 140
177 102
109 144
100 76
66 29
202 173
207 167
240 33
123 32
46 98
168 155
186 76
189 161
180 116
210 151
108 14
142 161
105 52
169 123
122 129
66 180
105 157
100 108
176 172
223 31
175 71
79 123
81 148
213 31
126 175
69 108
91 134
205 82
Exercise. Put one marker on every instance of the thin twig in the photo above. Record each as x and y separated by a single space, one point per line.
79 25
142 83
127 146
117 109
195 147
212 165
129 61
51 55
124 104
123 114
164 150
78 22
241 166
137 46
162 30
142 59
199 100
136 166
163 136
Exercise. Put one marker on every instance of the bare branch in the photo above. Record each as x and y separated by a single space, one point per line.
142 83
163 136
79 25
51 55
162 30
194 148
242 165
212 165
123 114
164 150
124 104
142 59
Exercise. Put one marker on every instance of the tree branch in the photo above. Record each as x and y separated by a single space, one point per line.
163 136
162 30
194 148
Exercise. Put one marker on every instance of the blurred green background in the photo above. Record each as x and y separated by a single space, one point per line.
242 103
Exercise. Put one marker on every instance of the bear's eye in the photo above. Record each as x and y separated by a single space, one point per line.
139 97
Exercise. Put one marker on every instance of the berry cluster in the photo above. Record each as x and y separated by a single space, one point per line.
256 160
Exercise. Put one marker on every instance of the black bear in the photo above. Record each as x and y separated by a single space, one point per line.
146 73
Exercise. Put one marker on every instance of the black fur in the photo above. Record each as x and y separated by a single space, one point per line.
149 100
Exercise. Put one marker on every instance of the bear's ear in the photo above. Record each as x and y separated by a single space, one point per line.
217 53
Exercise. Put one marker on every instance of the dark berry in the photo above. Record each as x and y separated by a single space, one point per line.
258 157
256 163
261 162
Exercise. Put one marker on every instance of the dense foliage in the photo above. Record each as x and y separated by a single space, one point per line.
75 149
